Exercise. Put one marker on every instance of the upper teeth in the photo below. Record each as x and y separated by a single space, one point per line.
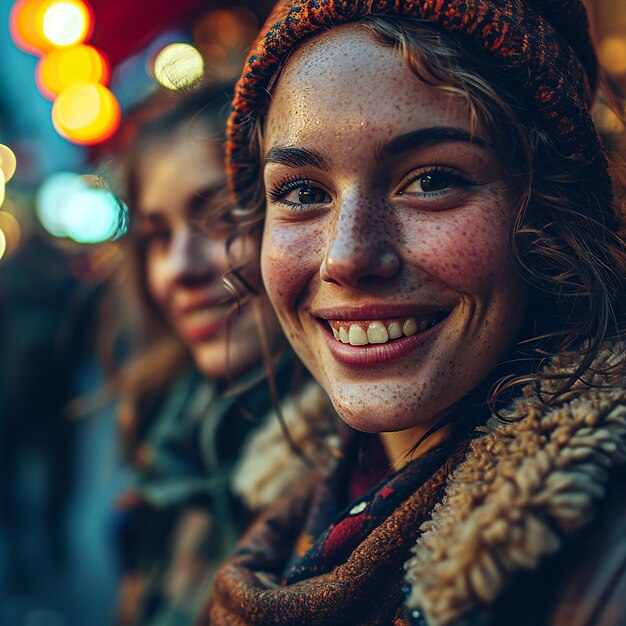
363 333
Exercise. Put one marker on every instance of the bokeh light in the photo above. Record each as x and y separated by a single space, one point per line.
26 26
66 22
65 66
2 187
12 232
235 28
612 54
38 26
68 205
86 113
91 216
228 28
52 199
178 65
606 119
3 243
8 162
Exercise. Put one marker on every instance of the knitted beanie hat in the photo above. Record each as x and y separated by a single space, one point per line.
544 45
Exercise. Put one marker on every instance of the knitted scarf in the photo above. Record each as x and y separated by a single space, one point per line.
351 574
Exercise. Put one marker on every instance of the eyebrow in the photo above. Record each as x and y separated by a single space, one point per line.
147 216
199 199
425 137
296 157
194 202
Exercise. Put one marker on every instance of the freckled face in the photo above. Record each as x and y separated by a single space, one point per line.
385 214
180 184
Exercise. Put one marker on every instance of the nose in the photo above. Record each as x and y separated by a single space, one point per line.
361 251
192 257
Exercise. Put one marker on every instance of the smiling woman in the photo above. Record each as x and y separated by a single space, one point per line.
440 242
406 227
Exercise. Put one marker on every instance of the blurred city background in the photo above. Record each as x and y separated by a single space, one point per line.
71 72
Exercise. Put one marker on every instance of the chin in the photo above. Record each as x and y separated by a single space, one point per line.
211 359
224 357
381 406
372 415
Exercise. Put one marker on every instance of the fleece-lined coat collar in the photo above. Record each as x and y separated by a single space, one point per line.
522 489
269 465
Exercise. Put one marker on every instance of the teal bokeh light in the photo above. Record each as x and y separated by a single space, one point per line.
67 206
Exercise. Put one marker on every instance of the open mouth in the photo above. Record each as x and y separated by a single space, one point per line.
366 332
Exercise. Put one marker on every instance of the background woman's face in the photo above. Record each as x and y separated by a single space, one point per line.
386 247
180 181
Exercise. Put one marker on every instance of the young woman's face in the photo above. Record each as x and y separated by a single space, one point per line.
179 181
386 242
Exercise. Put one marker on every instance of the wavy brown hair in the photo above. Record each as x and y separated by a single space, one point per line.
567 240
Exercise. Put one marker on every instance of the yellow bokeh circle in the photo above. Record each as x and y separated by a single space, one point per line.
63 67
38 26
86 113
66 22
612 54
11 230
25 24
8 162
178 65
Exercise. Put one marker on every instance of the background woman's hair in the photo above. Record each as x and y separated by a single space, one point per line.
156 353
566 240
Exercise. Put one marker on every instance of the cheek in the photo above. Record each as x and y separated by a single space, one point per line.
468 251
155 277
290 256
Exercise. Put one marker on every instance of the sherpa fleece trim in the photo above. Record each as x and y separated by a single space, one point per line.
521 489
269 466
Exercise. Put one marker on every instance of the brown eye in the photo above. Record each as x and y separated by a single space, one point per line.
435 182
308 194
299 194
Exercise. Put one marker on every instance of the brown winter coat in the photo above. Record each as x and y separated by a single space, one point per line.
531 529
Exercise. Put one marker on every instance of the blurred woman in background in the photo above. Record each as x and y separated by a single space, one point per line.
196 383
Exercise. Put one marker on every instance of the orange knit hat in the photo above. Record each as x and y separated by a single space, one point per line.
544 45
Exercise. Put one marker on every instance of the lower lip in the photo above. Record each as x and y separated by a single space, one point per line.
362 357
205 331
